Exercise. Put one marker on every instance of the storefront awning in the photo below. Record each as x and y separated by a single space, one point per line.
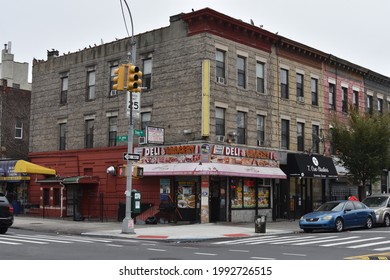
217 169
310 166
80 180
22 166
17 170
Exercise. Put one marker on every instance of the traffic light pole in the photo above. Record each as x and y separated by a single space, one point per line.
128 222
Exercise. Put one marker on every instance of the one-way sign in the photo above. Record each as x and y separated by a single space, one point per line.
131 156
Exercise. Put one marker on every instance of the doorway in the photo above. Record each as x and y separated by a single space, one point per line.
217 199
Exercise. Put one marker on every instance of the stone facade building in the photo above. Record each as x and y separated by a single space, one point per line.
231 111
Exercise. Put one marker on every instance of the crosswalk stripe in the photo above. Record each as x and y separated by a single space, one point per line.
315 241
351 241
369 244
22 240
276 239
382 249
39 239
237 241
10 243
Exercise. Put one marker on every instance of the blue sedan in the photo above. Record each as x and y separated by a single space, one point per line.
338 215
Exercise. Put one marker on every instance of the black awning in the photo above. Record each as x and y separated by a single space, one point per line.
310 166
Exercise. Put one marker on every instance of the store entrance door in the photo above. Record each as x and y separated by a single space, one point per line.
217 199
188 204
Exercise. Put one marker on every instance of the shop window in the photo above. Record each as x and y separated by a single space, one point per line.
249 193
236 193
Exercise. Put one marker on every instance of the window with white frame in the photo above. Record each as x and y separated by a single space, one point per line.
91 81
300 92
284 83
147 73
64 90
241 72
62 136
112 130
332 96
260 128
356 100
113 67
220 61
89 132
146 118
220 121
241 127
300 136
18 129
260 77
285 134
314 91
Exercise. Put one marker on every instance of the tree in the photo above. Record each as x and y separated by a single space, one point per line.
362 145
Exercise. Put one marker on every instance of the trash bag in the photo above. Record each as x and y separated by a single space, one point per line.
151 220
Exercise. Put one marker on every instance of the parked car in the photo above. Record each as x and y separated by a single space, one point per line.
6 214
381 204
338 215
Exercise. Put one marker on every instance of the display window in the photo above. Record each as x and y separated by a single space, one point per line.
250 193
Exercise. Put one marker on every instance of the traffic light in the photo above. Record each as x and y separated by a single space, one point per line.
134 81
138 172
119 79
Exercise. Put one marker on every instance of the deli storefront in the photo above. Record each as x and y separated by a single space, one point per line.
210 183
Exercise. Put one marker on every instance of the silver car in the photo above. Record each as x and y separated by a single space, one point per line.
381 204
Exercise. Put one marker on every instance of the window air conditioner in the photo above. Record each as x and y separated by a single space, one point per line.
301 99
220 138
113 92
221 80
260 142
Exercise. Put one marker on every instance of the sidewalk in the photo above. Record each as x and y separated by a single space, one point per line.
153 232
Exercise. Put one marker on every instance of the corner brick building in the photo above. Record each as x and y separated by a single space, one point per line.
234 110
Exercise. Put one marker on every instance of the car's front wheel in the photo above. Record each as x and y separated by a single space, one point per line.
369 222
3 230
339 225
386 220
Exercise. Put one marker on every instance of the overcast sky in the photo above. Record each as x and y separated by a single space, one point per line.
355 30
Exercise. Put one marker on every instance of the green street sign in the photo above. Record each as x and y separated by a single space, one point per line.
122 138
139 132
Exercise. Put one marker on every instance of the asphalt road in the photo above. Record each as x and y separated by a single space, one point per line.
32 245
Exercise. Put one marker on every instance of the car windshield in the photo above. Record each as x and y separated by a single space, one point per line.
375 201
331 206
